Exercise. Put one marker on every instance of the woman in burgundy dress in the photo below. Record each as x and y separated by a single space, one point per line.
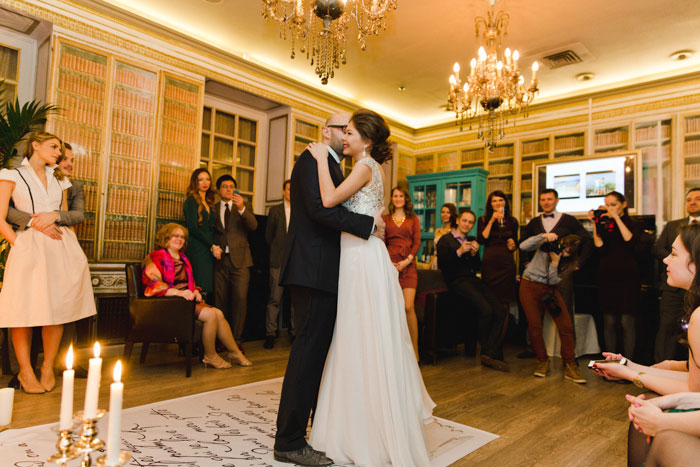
403 241
497 230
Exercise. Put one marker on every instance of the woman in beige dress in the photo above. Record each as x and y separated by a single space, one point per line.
47 281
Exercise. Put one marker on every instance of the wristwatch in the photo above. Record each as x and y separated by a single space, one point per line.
637 381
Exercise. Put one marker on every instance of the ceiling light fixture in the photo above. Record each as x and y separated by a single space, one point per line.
319 26
495 89
587 76
682 55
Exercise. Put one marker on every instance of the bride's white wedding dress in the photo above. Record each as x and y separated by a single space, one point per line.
372 405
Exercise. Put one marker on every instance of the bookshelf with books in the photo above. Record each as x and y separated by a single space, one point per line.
448 161
425 164
501 169
80 92
653 138
181 101
691 150
473 158
569 144
611 139
130 162
305 132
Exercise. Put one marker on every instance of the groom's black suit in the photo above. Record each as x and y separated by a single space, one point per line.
310 269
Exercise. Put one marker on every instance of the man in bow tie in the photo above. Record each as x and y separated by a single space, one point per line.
560 224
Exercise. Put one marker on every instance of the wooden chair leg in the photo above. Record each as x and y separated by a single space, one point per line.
144 351
6 367
128 348
188 359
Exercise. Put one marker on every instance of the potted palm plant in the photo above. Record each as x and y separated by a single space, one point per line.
16 122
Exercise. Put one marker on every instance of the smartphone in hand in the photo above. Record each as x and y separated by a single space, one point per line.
622 361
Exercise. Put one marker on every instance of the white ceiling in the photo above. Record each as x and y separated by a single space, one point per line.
629 42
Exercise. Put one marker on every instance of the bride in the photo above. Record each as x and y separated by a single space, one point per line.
372 404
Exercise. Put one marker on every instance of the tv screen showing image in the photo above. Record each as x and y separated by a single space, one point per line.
583 182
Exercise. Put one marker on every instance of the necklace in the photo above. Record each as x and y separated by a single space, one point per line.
398 222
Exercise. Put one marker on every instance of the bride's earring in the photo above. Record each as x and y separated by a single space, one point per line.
364 152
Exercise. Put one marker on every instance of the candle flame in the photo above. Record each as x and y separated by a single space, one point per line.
118 372
97 350
69 358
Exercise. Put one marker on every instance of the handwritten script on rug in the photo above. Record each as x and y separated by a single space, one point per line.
233 427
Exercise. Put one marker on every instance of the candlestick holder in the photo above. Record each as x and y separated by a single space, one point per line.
123 459
66 449
89 442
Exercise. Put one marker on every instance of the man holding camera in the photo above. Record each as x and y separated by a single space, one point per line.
671 305
458 259
538 292
560 225
232 270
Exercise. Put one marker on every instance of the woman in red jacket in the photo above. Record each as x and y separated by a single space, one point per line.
403 241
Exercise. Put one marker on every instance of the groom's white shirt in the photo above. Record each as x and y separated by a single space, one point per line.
334 154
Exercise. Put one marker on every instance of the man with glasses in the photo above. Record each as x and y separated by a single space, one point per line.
310 266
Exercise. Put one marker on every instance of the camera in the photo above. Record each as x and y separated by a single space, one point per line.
598 213
471 238
549 303
553 247
603 222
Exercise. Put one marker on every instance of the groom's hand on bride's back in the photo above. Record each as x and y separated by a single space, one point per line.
379 224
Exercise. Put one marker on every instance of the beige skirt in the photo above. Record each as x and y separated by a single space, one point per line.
46 282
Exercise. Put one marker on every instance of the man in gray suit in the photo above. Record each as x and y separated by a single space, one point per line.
275 233
671 305
232 270
48 222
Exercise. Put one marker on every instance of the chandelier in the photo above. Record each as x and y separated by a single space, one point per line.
494 90
319 27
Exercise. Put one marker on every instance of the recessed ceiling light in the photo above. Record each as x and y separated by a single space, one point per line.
682 55
587 76
402 88
214 2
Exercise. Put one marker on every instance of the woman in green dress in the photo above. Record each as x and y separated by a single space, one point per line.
199 220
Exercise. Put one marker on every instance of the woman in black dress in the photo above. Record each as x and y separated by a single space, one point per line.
497 230
615 234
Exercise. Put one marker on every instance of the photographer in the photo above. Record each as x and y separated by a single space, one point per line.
458 259
538 291
615 234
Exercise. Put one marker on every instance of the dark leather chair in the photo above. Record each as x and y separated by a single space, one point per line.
159 319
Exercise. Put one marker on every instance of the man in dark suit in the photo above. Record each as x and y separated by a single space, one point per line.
232 270
275 233
310 265
671 305
458 259
561 225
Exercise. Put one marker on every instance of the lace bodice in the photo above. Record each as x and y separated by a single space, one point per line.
369 198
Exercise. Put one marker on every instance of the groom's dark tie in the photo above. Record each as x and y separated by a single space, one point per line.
336 171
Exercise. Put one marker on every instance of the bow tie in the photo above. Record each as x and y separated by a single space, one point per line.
548 215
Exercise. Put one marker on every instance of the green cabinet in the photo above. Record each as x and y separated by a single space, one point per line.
464 188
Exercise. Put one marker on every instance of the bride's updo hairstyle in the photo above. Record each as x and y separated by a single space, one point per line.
374 129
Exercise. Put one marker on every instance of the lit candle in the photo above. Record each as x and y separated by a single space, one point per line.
7 396
66 420
507 54
455 68
92 392
535 67
473 65
516 56
116 393
482 53
499 68
453 81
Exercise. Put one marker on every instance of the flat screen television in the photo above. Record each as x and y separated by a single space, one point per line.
583 182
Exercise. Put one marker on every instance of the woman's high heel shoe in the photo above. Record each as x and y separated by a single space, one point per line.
49 382
31 388
216 362
238 359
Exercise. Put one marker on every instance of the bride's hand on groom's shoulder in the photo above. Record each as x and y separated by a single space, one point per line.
318 150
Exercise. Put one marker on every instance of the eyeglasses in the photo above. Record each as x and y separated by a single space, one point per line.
340 127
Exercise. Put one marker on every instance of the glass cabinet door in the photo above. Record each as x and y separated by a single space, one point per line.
129 169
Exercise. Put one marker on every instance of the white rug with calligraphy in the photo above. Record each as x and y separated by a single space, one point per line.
231 427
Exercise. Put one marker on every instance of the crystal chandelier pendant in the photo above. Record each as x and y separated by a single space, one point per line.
320 27
495 88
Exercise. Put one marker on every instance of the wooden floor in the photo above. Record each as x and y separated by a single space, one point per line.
544 422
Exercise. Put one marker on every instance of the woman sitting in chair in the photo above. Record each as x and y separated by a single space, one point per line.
167 272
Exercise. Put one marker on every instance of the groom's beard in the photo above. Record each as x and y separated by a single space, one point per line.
337 145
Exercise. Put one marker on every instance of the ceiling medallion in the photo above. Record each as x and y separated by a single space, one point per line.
495 89
320 26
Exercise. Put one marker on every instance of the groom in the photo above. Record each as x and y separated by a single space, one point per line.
310 270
